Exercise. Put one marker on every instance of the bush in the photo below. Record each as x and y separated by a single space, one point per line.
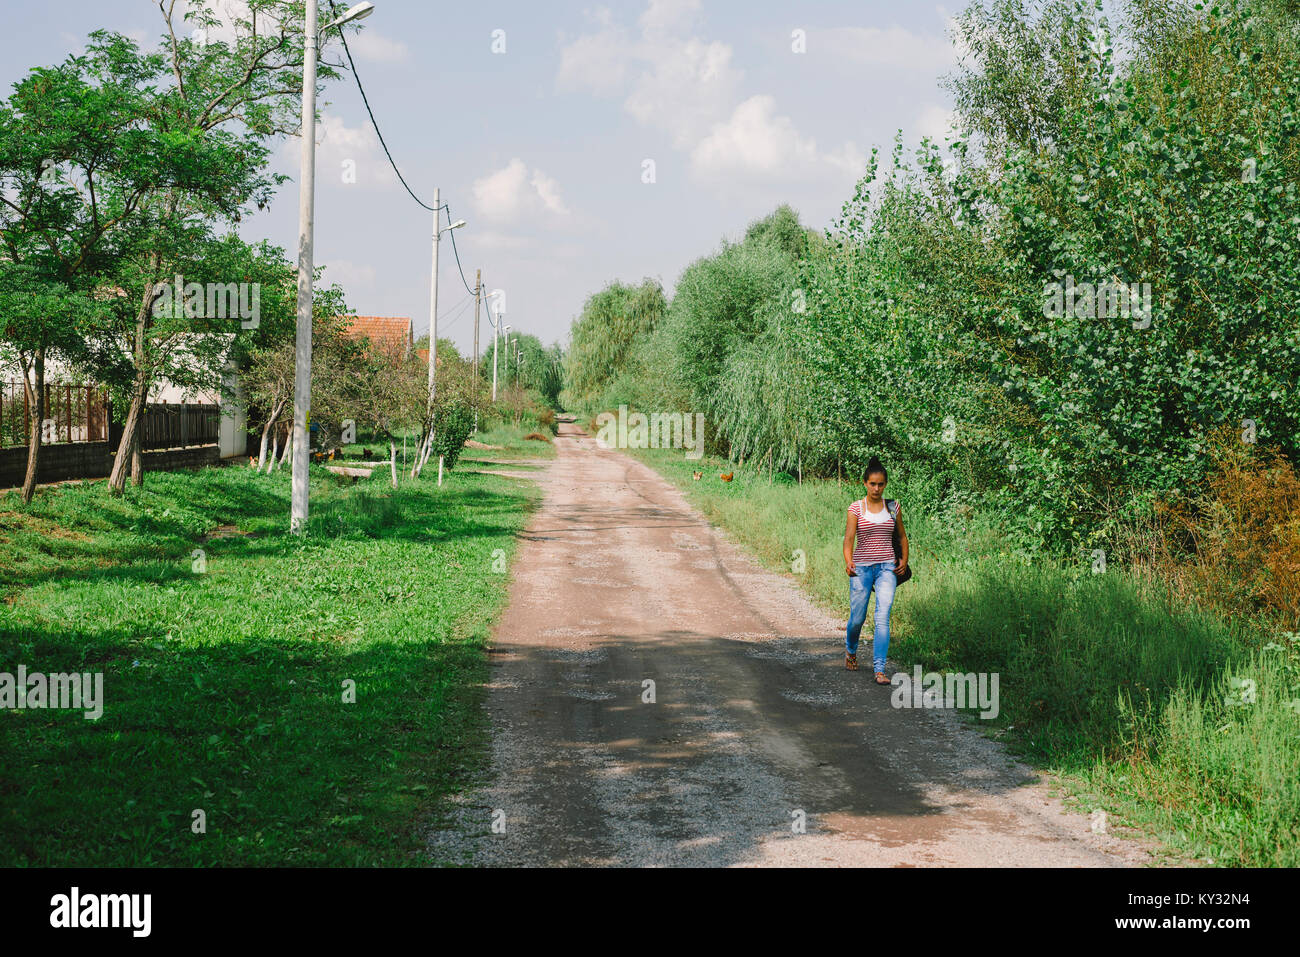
453 424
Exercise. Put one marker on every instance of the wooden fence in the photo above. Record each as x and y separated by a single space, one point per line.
179 426
79 413
73 413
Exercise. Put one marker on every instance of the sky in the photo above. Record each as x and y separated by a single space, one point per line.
581 142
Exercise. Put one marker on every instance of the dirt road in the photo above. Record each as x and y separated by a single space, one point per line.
755 727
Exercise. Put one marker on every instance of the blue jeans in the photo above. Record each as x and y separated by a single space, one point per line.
880 578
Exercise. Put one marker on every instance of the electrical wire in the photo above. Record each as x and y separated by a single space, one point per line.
375 123
463 281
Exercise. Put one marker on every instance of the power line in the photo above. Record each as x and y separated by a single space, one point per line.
456 312
375 123
356 76
463 281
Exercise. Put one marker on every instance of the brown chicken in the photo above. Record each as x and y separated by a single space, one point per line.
697 475
728 477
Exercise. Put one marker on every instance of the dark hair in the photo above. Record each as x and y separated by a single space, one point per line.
874 465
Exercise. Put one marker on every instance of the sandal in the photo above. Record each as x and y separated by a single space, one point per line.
882 679
850 661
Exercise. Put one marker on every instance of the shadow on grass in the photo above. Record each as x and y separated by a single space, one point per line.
150 535
257 735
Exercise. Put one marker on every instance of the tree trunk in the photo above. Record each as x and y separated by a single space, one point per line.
140 359
126 447
392 459
275 451
428 451
137 462
35 429
288 448
266 432
261 451
421 453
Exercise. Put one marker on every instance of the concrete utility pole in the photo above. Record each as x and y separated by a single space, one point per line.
438 230
478 295
496 338
306 223
306 230
433 295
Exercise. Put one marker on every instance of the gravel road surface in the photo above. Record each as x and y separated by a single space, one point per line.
759 748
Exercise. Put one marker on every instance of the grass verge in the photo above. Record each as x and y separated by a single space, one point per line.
229 650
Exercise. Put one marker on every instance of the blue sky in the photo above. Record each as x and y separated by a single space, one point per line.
542 148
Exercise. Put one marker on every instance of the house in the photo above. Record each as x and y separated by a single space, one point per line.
394 335
81 425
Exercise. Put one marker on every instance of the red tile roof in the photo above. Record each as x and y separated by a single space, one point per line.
393 334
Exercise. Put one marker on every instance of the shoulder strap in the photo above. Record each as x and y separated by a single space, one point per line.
892 505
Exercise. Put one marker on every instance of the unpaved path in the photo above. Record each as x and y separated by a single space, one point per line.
755 722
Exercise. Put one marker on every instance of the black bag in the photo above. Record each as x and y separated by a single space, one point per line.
892 505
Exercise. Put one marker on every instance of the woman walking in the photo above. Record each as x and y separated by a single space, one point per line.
869 559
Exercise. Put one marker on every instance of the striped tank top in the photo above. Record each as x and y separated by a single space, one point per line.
875 540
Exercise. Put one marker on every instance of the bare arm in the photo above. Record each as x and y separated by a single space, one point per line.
902 541
850 533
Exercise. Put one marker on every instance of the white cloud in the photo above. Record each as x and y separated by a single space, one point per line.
342 150
548 191
369 45
510 193
675 81
756 140
669 18
595 63
688 86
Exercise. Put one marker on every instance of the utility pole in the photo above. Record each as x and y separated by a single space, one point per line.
302 334
433 296
478 295
301 439
496 338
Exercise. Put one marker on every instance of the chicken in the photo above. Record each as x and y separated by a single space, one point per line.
728 477
697 476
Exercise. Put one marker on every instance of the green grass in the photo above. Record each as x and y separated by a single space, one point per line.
224 688
1103 681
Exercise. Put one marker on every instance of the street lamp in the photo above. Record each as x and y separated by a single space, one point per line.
358 12
306 233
